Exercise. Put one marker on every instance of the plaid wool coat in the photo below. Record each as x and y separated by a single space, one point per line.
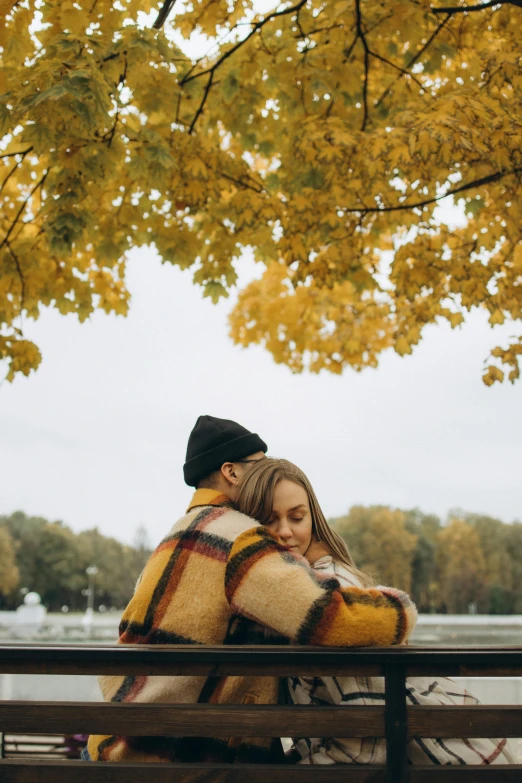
215 568
370 690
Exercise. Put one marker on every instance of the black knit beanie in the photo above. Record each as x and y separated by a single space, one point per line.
215 441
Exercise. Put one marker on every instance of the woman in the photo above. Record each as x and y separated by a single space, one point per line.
278 494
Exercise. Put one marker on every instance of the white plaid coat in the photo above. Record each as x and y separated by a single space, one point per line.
370 690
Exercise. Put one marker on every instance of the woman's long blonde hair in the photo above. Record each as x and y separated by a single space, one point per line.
255 497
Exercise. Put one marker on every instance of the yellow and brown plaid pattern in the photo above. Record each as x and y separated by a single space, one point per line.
214 565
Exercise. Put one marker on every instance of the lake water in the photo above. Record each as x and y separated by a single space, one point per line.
442 629
431 630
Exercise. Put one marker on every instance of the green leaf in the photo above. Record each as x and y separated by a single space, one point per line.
52 94
215 291
5 119
230 86
38 136
474 206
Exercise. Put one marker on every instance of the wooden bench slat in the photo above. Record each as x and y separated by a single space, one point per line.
281 669
456 774
190 720
479 720
195 669
267 660
198 720
464 668
37 771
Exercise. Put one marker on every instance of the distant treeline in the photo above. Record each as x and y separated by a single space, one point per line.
50 559
467 560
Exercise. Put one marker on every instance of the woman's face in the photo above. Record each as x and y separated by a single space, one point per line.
291 519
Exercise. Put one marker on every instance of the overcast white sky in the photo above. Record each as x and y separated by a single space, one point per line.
97 436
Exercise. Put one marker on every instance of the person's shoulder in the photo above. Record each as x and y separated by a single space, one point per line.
223 521
230 523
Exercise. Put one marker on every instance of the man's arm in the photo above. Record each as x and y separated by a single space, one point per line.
267 583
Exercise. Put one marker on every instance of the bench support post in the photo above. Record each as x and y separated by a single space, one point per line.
396 723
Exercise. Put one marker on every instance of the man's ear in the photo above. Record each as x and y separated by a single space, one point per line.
229 473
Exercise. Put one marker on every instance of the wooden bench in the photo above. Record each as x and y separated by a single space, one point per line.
395 721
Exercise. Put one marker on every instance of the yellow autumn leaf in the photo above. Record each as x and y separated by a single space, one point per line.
325 154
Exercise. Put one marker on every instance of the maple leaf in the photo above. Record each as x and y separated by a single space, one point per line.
320 134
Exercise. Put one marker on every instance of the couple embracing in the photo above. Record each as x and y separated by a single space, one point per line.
254 561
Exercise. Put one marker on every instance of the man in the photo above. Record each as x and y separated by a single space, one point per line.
216 565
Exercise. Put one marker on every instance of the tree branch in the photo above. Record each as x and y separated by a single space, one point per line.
242 184
13 154
361 35
350 49
464 9
302 34
426 202
318 30
39 184
20 275
203 101
256 26
161 18
110 135
178 106
190 76
10 10
263 44
402 71
416 57
8 177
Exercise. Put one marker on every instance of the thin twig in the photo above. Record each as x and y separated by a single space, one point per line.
361 35
468 186
203 101
22 280
302 34
257 26
332 102
263 44
178 105
350 49
22 208
18 163
190 76
123 76
113 129
402 71
416 57
298 23
464 9
9 175
378 23
242 184
10 11
13 154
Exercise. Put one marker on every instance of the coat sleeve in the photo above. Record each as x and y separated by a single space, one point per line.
267 583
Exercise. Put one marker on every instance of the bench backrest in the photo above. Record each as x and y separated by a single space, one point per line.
395 721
